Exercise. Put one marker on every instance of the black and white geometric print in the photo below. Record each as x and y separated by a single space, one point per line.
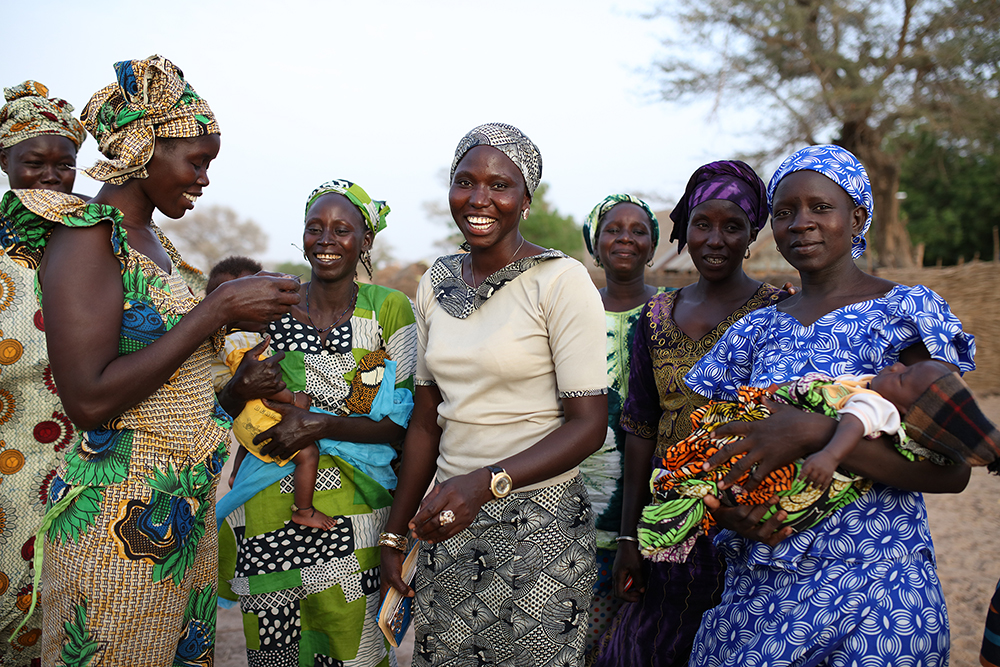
290 334
325 379
459 299
512 589
297 544
326 479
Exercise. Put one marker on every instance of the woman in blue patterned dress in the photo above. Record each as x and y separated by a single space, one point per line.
860 588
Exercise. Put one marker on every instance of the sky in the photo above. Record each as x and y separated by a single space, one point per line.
380 93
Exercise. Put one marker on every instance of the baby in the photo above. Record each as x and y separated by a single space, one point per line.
256 417
868 406
943 424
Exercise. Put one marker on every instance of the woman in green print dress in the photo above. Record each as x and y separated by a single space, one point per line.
130 546
310 596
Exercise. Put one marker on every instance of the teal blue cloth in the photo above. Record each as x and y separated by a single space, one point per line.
370 459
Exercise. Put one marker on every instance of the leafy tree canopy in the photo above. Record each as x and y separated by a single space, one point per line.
857 72
211 233
952 196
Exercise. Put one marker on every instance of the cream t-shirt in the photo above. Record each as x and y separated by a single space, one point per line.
503 370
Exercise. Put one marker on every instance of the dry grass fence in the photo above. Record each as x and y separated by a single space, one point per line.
973 292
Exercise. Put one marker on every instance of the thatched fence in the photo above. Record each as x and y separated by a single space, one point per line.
973 292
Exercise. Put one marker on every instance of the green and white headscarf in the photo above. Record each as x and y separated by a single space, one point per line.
373 210
592 225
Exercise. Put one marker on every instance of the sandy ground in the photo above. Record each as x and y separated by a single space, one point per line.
966 530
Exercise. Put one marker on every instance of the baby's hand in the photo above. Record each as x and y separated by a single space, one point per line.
818 469
302 400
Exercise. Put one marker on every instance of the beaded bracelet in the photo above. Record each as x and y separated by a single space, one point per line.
393 541
626 538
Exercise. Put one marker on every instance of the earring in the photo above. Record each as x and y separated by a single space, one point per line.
597 262
650 263
747 255
366 261
524 214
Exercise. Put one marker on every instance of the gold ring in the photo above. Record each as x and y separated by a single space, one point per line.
446 517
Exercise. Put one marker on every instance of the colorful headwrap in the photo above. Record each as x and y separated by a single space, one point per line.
947 419
151 99
840 166
30 113
591 226
732 180
373 210
514 144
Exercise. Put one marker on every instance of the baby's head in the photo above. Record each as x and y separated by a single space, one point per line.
902 385
232 268
947 419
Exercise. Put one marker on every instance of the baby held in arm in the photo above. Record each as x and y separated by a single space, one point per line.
257 417
925 409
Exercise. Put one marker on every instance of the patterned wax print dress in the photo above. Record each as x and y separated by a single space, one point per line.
659 629
308 596
130 552
827 594
515 586
34 432
603 471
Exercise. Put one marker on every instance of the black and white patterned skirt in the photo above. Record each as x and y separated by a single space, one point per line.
514 588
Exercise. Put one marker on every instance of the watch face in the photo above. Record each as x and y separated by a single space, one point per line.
501 485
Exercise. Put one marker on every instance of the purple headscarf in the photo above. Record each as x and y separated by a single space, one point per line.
732 180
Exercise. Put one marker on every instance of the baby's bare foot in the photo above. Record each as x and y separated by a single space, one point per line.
312 517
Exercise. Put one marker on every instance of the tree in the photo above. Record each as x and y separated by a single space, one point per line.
952 196
858 72
545 226
209 234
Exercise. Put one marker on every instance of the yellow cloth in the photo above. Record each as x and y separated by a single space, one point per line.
255 417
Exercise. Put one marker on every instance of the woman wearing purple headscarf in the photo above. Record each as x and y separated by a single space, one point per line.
859 588
723 208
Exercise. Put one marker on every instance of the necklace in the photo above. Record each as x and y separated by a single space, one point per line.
336 319
472 267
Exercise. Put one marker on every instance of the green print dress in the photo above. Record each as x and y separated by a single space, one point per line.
310 596
131 549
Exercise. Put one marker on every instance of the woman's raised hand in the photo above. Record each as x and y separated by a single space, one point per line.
461 496
263 297
255 377
788 434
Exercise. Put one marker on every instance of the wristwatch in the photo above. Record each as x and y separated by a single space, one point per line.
500 484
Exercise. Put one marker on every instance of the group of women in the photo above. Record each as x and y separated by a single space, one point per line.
502 386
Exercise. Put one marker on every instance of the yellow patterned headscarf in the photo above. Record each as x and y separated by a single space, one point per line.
30 112
151 99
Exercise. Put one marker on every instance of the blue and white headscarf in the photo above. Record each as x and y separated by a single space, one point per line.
840 166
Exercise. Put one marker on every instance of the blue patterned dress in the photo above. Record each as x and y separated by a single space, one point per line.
859 588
